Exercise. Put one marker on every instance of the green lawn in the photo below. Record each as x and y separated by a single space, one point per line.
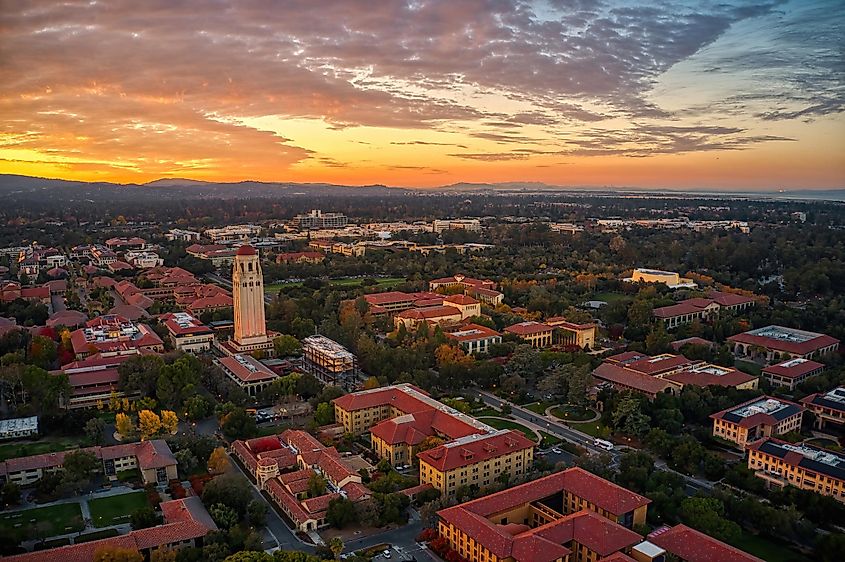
486 411
610 297
508 424
748 367
43 522
548 440
115 510
573 413
539 407
768 550
27 448
593 428
345 283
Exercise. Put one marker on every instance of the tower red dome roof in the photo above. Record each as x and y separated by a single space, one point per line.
246 250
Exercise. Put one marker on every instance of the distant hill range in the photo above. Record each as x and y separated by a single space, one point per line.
16 187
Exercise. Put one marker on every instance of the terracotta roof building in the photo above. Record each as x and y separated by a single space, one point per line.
775 343
828 407
755 419
703 309
474 338
112 332
792 372
537 334
185 522
804 466
247 372
572 512
689 545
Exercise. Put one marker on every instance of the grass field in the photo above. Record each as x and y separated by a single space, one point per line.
749 367
548 440
593 428
115 510
43 522
25 449
486 411
610 297
572 413
344 283
768 550
539 407
507 424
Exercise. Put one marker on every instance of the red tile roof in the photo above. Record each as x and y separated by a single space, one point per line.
392 395
529 328
793 368
388 297
710 375
475 449
729 299
460 300
429 312
248 369
658 364
799 348
694 546
472 332
617 374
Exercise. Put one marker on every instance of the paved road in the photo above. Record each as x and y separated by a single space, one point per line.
693 485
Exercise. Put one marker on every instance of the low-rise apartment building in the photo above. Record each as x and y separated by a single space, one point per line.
702 309
153 458
537 334
474 338
776 343
804 466
94 380
792 372
755 419
828 407
567 516
187 333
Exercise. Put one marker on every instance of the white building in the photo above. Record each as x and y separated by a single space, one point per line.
178 234
472 225
233 233
17 428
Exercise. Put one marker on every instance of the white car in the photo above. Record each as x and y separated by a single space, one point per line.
386 553
557 451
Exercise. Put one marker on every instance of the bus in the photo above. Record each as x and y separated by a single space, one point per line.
602 444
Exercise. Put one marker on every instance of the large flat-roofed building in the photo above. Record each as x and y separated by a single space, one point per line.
686 544
792 372
806 467
329 361
318 219
471 225
153 458
671 279
112 332
755 419
708 374
247 372
18 428
187 333
474 338
775 343
537 334
828 407
582 336
441 314
390 302
233 233
567 516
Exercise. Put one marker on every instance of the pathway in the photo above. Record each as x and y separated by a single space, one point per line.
549 414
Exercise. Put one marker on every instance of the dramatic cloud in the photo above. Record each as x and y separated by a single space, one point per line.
268 90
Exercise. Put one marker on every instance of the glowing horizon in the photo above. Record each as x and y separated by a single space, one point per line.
407 93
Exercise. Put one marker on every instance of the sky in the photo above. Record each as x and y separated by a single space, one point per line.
677 94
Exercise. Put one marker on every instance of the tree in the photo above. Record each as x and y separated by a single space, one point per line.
512 385
110 553
169 421
708 516
336 546
149 423
628 417
78 466
324 414
164 555
578 383
256 513
144 518
316 486
308 386
186 460
94 429
139 374
223 515
197 407
525 362
237 424
10 494
218 462
42 352
829 547
124 426
286 346
230 490
340 513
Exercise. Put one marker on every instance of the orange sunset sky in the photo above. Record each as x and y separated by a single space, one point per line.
728 95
